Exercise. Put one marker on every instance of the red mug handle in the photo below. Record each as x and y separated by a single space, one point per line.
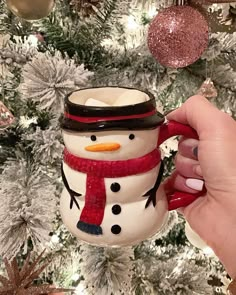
172 128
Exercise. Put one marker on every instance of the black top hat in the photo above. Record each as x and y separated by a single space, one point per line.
82 118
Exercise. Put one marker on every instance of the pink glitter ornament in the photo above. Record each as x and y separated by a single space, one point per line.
177 36
6 117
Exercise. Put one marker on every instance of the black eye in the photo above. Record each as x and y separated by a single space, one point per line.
132 136
93 138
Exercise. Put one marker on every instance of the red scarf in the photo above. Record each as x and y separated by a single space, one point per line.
95 197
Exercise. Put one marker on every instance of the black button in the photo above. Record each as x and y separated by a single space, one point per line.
116 209
132 136
116 229
93 138
115 187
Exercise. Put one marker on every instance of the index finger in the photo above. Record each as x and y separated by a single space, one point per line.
201 115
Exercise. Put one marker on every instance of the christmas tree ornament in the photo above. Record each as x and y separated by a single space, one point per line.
208 89
31 10
220 17
6 117
20 281
112 167
177 36
86 7
38 36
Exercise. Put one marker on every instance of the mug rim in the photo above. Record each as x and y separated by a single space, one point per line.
144 115
97 108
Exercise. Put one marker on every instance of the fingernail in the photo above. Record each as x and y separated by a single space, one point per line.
195 151
194 183
197 169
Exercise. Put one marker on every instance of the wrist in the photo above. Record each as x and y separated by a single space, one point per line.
227 256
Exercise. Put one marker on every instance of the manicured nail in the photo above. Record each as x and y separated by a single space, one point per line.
194 183
195 151
197 169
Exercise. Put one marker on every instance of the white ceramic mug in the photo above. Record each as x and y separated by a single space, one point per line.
112 167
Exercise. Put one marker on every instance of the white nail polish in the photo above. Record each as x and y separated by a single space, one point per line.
194 183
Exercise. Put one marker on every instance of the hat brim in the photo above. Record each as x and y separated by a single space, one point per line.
79 117
135 124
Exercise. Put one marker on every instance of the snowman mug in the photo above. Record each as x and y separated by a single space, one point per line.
112 167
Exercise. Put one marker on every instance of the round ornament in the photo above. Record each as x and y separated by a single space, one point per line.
31 10
177 36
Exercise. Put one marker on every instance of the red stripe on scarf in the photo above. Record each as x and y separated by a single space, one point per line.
95 197
93 211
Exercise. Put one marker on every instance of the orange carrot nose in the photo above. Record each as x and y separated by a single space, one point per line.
103 147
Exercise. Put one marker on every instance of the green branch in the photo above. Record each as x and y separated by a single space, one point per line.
83 38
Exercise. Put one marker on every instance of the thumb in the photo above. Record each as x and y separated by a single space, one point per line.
201 115
56 292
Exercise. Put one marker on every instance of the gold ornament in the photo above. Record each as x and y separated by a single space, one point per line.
31 9
208 89
86 7
222 19
220 22
20 282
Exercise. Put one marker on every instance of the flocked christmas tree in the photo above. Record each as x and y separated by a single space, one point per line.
82 43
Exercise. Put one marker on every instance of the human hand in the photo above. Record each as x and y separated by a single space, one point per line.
57 293
212 216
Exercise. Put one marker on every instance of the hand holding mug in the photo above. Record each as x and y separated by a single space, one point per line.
212 158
